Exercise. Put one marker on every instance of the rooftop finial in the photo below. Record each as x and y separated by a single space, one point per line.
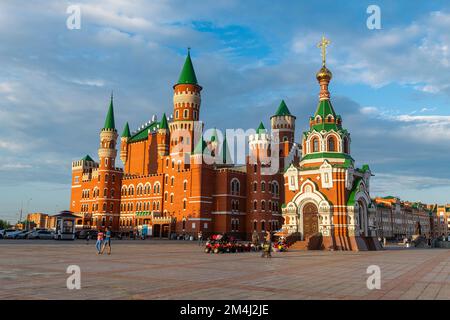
323 45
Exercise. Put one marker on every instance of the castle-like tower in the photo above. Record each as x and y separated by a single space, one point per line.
96 185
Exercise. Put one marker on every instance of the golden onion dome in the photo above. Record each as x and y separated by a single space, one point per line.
324 73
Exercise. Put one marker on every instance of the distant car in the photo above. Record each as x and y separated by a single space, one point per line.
24 234
41 234
1 233
11 233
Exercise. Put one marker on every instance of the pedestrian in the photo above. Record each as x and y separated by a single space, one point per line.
107 241
267 252
384 241
99 243
88 237
200 238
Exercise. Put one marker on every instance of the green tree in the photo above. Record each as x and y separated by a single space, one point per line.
4 224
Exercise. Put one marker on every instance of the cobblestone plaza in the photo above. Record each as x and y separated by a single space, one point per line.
160 269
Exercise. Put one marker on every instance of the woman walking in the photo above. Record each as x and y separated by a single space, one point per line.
99 243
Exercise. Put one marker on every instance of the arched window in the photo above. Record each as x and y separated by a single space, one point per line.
171 198
184 204
105 192
255 186
255 225
315 143
331 144
166 179
172 181
235 186
104 206
263 226
263 205
346 146
185 185
112 193
255 205
263 186
166 194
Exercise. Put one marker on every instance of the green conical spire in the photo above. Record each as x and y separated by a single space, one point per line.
282 110
126 131
324 109
87 158
261 128
226 156
187 75
201 145
163 123
109 121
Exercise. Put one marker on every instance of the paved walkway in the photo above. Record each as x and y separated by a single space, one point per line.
159 269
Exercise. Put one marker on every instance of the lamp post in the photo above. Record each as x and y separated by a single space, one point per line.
28 204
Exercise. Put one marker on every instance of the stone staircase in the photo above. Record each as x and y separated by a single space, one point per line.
313 242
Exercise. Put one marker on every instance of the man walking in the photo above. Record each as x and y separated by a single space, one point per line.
200 238
267 247
107 241
99 243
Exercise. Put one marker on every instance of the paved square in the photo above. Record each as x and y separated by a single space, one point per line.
161 269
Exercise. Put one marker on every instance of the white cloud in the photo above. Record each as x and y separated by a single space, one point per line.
14 166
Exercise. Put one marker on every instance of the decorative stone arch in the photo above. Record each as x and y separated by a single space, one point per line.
361 210
140 188
310 142
157 187
235 186
131 187
337 141
310 195
147 188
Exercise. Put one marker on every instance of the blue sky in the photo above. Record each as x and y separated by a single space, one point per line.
391 86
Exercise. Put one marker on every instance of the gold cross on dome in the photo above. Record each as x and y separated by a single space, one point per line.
323 45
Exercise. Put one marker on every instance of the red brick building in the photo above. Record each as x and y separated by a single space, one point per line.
175 181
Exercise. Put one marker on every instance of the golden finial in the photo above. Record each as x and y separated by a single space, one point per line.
323 45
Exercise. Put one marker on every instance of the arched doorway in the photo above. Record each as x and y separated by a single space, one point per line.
310 220
362 217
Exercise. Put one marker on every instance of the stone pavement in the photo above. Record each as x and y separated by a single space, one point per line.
162 269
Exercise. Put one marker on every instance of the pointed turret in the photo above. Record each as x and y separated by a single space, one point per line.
225 153
187 75
186 109
163 137
201 145
109 121
282 110
126 131
163 123
261 128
